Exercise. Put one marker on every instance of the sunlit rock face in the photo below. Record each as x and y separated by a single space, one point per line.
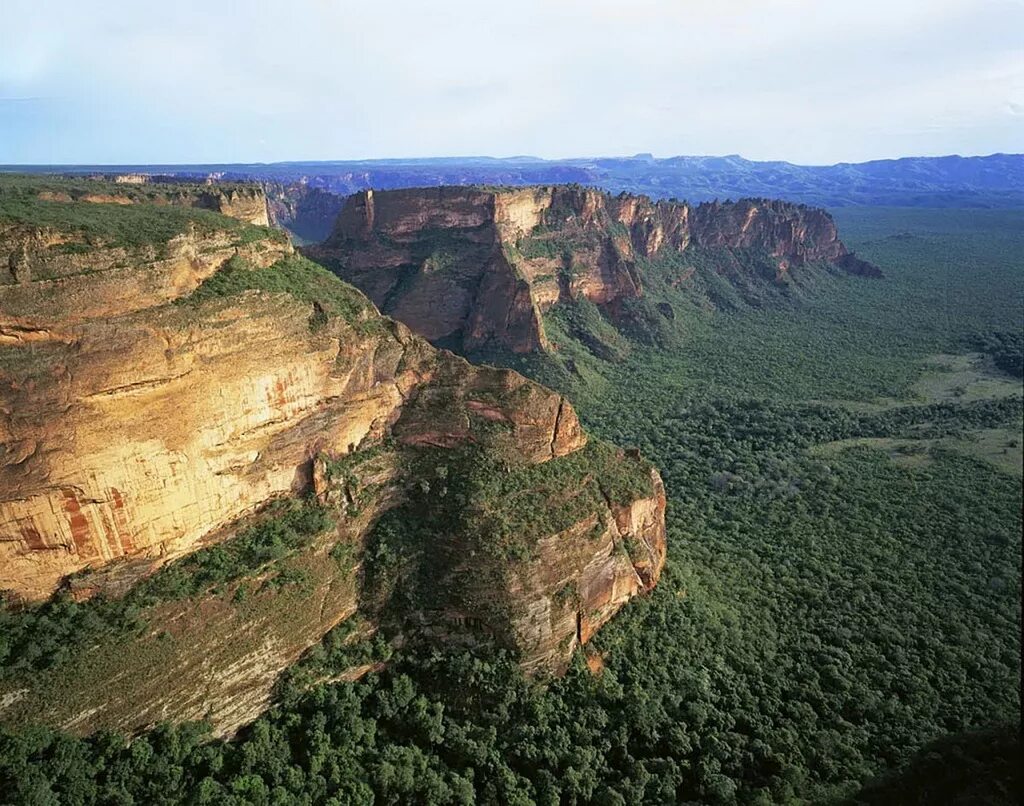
130 426
475 268
134 426
142 419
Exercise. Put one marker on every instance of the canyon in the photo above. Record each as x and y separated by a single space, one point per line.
306 211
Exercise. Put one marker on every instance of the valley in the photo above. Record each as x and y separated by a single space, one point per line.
511 404
841 533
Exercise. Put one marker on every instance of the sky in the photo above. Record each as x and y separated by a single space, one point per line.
808 81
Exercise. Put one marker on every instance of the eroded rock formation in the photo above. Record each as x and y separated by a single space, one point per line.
475 268
620 550
130 426
146 405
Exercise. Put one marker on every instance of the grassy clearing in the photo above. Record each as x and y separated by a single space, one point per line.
964 377
999 447
951 379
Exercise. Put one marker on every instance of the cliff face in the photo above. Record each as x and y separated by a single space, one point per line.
434 259
476 268
216 407
55 278
247 204
534 547
620 549
153 394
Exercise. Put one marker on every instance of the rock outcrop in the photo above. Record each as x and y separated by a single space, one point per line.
132 427
243 202
490 547
155 395
434 260
246 203
620 550
56 278
476 268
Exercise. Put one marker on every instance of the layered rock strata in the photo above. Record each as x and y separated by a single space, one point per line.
142 415
476 268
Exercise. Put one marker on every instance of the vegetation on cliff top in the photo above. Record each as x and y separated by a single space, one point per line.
140 223
298 276
473 502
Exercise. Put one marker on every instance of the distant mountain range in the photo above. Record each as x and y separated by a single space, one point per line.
991 181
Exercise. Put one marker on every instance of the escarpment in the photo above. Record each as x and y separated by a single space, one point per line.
477 268
247 204
434 260
156 394
243 202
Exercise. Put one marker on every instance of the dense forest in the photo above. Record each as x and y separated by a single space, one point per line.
839 620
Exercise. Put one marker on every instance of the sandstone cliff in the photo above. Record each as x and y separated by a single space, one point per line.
245 203
154 395
535 554
433 259
476 268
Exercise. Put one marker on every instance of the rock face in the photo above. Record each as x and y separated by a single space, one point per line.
130 427
56 279
214 657
536 563
472 268
433 259
621 551
246 203
111 444
148 401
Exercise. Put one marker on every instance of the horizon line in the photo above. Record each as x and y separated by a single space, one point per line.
639 156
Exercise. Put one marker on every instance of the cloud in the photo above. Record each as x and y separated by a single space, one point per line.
331 79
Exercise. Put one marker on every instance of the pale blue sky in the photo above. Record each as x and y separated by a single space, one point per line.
810 81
